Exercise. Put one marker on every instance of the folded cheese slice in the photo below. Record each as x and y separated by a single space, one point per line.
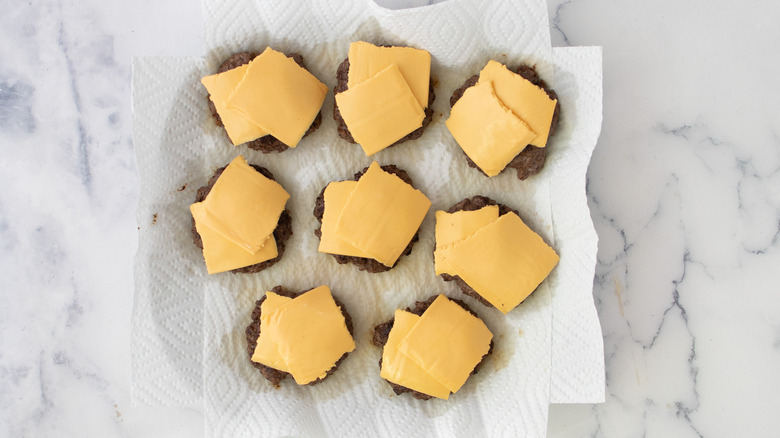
487 131
527 101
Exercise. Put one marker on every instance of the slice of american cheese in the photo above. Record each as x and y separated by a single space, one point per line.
487 131
335 196
381 215
399 369
243 206
447 342
503 261
223 255
380 110
310 333
366 60
454 227
267 350
527 101
220 86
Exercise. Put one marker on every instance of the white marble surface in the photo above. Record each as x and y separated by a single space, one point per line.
684 188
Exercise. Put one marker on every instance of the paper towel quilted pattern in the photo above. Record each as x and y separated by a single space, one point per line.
184 319
577 347
167 327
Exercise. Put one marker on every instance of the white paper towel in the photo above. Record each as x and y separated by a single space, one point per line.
167 319
178 148
577 347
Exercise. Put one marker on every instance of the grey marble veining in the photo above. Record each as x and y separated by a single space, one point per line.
67 225
684 192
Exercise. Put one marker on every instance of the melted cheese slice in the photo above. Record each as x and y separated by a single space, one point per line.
401 370
267 350
223 255
220 86
504 261
381 110
243 206
279 96
526 100
311 334
381 215
487 131
366 60
335 196
454 227
447 342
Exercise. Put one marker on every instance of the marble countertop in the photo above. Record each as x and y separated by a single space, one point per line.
684 190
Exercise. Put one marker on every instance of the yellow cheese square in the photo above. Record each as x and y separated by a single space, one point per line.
527 101
335 196
223 255
279 96
311 334
504 261
382 215
487 131
453 227
220 86
267 350
381 110
366 60
447 342
243 206
401 370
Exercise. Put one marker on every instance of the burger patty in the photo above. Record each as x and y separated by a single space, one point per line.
342 76
365 264
531 159
253 332
472 204
382 332
281 233
267 143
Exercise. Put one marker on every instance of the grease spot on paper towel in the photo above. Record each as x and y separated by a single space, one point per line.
503 346
502 354
500 360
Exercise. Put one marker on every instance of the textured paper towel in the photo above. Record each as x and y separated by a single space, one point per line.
512 392
178 148
577 347
167 320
